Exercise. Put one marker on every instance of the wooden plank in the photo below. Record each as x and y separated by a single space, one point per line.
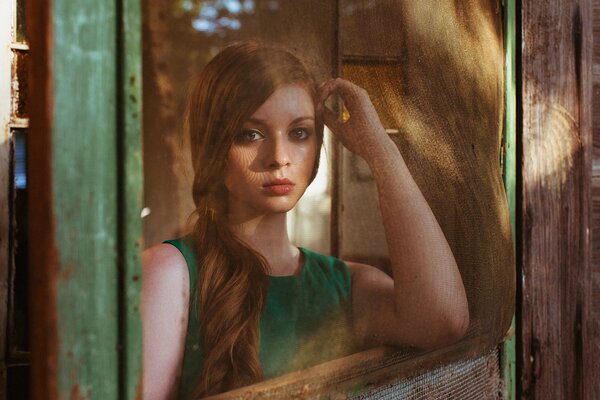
596 123
131 190
43 261
556 169
73 169
594 325
596 34
84 201
596 85
508 354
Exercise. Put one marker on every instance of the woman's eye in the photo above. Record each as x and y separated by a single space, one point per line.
249 135
299 133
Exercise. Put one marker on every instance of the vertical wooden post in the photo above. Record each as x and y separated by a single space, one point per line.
556 171
593 328
43 262
508 357
85 180
131 189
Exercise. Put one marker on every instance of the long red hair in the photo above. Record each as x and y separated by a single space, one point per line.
232 277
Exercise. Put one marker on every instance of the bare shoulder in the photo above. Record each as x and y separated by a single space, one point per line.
165 301
164 262
165 273
163 258
366 274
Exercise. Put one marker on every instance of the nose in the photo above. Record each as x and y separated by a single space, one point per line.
278 154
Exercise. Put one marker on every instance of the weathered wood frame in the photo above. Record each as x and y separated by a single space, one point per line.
508 355
593 327
86 176
554 354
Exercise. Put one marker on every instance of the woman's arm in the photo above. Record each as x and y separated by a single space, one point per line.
165 297
425 304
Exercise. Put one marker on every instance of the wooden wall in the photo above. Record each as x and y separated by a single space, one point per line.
556 352
594 326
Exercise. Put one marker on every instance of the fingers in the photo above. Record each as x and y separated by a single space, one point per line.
349 92
330 119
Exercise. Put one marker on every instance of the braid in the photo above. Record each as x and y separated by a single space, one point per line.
232 288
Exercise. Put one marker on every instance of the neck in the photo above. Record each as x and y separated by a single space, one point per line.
268 235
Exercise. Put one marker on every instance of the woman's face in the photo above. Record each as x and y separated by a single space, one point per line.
271 160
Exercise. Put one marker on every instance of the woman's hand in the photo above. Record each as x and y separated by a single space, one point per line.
363 133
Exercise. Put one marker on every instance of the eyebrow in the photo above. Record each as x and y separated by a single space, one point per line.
295 121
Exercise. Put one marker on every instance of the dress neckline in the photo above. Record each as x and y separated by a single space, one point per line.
291 277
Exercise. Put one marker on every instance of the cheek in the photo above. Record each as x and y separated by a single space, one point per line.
309 157
239 167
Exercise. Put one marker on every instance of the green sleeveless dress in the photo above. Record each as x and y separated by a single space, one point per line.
306 319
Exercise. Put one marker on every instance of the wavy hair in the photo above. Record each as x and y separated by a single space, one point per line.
232 277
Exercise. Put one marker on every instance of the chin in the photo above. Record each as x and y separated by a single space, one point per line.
283 208
280 205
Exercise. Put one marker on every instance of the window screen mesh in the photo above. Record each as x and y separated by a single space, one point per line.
438 86
470 379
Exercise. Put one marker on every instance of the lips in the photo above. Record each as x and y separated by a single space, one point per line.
278 187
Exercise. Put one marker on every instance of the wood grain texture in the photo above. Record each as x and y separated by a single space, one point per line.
556 184
596 84
594 325
595 308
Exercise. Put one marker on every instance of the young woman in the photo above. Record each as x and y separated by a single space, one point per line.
235 302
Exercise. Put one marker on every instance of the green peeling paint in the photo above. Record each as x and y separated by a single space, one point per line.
97 189
508 357
132 189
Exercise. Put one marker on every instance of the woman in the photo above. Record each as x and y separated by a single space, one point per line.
236 302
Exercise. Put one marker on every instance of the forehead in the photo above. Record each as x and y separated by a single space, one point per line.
287 101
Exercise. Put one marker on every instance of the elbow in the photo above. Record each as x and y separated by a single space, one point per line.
457 326
454 327
455 320
450 328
